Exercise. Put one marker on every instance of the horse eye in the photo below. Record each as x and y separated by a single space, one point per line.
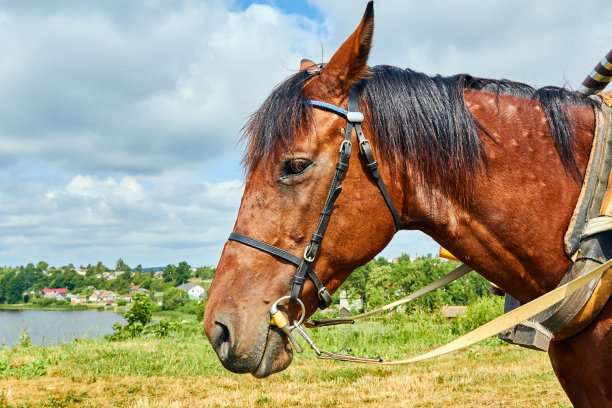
294 167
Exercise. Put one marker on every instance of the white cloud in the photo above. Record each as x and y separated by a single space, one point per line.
118 120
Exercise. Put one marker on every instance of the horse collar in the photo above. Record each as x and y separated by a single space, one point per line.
353 121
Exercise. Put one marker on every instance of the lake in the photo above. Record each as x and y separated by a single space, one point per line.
49 327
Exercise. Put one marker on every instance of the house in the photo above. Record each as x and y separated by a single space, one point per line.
75 299
53 295
349 304
81 271
138 288
104 296
196 292
450 312
61 291
158 274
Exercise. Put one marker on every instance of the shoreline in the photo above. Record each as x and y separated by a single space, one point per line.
69 307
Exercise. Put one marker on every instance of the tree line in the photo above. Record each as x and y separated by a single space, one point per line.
380 282
21 284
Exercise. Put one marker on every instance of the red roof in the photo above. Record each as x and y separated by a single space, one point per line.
58 290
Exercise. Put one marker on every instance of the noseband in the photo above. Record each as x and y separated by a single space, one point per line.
304 268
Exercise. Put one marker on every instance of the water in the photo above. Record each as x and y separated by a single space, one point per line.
50 327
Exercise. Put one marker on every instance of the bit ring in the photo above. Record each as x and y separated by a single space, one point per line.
274 309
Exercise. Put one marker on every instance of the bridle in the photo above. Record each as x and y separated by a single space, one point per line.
304 268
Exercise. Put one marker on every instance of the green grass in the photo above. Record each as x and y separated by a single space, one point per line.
184 371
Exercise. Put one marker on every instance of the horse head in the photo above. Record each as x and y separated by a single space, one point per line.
291 159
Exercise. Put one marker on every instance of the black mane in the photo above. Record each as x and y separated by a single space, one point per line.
415 117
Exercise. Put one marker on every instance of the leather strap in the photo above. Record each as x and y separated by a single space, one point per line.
366 149
453 275
287 256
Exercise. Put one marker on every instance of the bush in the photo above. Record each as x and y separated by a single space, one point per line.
200 310
137 317
478 313
174 298
140 310
190 307
121 302
44 302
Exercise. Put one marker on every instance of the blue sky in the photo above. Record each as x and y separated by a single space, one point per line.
119 120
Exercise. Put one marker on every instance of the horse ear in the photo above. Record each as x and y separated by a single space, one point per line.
306 64
349 63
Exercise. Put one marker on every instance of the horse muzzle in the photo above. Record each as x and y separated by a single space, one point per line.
259 349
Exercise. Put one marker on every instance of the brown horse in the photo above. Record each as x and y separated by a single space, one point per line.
490 169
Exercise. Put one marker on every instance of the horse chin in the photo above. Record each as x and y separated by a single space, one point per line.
277 354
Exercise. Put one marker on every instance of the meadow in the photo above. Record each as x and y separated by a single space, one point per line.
181 370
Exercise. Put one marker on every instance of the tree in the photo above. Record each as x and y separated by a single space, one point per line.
99 268
15 288
42 265
174 298
140 312
182 273
168 273
121 266
205 272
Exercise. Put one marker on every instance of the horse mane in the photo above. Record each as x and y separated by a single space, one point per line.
418 118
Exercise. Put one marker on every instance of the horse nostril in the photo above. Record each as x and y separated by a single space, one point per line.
221 340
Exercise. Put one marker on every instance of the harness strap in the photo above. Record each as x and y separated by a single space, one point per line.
453 275
489 329
287 256
372 164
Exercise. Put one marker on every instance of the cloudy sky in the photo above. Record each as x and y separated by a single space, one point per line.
119 120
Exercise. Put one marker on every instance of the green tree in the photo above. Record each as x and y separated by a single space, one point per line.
42 265
99 268
174 298
122 266
205 272
168 273
140 312
182 273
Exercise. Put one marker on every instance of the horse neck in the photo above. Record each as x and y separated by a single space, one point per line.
512 227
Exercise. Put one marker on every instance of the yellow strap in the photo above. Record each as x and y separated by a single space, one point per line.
505 321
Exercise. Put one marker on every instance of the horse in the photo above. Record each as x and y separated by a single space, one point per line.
490 169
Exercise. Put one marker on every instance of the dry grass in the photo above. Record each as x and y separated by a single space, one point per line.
483 376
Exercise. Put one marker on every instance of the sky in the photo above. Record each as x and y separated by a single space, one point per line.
119 121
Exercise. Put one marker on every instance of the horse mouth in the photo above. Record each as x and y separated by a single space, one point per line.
277 354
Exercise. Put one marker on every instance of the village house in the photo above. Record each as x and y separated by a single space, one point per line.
56 291
81 271
196 292
450 312
138 288
103 296
349 304
53 295
76 299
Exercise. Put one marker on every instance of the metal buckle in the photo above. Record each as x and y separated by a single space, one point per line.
345 143
363 142
306 257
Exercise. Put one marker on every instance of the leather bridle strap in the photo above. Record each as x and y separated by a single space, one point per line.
366 149
304 268
279 253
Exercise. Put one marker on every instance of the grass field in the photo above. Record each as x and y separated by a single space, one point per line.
184 372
